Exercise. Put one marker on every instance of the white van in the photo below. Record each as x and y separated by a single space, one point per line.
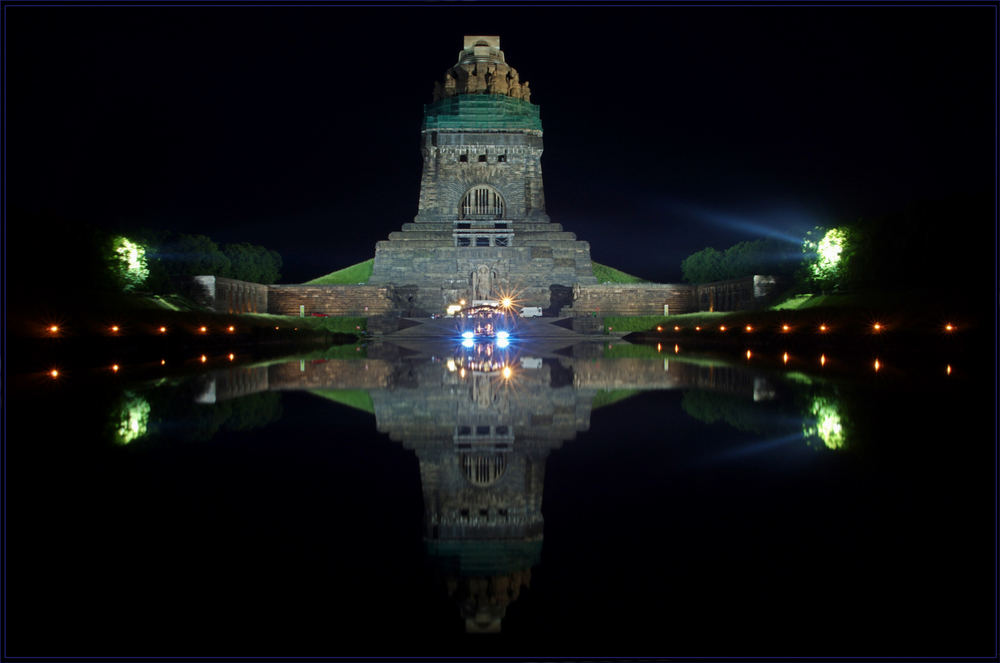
531 312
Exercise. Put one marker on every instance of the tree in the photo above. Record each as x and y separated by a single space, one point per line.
250 262
702 266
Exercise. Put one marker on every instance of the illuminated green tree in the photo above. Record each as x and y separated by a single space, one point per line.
128 263
826 251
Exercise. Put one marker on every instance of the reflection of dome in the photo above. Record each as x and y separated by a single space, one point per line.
483 469
483 601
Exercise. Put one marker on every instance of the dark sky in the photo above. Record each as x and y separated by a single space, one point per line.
666 128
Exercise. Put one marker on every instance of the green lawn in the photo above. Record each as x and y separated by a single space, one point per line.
607 274
358 273
342 325
356 398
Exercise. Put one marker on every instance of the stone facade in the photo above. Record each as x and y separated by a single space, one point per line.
482 203
224 295
355 300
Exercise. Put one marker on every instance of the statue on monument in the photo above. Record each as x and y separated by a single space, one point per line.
482 283
449 84
525 91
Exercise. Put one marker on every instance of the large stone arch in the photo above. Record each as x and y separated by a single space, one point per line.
481 200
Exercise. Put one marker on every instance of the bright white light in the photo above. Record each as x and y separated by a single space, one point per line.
451 365
502 342
503 334
467 334
468 343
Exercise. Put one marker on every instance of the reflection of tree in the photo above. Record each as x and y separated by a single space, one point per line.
742 414
131 417
826 423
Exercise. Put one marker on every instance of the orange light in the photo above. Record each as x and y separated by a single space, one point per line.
722 328
658 347
785 328
659 328
163 362
230 329
54 373
748 354
202 329
822 328
676 328
506 371
947 370
461 373
231 356
296 329
204 359
114 329
115 367
949 327
822 360
784 358
877 327
677 349
697 328
276 329
163 330
877 365
54 329
749 328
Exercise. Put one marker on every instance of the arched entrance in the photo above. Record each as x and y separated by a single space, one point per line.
481 202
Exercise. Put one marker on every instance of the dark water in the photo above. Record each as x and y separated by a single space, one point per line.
594 502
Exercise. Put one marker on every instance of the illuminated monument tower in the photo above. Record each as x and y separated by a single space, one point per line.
481 227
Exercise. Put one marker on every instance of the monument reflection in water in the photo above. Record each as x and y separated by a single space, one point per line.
482 420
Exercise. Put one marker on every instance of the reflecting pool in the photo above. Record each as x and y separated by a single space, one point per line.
500 499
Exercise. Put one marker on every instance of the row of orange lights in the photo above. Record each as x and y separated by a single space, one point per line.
784 358
54 373
114 329
877 327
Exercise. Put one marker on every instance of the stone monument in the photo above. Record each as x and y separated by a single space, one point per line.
481 229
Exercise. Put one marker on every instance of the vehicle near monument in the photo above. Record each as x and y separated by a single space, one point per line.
531 312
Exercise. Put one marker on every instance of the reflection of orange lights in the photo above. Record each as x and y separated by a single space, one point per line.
785 328
877 365
163 330
54 373
203 329
947 369
115 367
230 329
949 327
877 327
231 356
822 328
658 347
749 328
677 349
784 358
54 329
748 354
204 359
822 360
114 329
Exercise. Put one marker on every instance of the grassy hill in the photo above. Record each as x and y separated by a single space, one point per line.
362 271
358 273
607 274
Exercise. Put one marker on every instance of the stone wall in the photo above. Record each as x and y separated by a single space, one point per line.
734 294
359 300
224 295
631 299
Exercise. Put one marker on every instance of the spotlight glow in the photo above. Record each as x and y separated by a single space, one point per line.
467 334
502 342
506 302
503 335
468 343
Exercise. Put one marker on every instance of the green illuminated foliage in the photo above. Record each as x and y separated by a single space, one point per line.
132 418
825 252
826 425
129 263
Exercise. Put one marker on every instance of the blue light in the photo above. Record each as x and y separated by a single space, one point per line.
502 342
502 335
468 343
467 334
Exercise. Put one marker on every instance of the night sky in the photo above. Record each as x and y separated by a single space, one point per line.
667 129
